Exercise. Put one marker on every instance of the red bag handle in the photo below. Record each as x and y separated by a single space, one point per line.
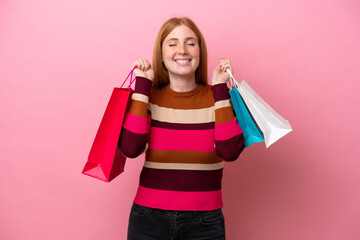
131 78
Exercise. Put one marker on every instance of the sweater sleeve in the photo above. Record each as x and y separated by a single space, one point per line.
135 129
229 140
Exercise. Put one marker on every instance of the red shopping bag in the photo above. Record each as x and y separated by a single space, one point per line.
105 161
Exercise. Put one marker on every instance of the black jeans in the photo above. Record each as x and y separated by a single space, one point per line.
156 224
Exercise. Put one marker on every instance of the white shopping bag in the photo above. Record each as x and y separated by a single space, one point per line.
272 125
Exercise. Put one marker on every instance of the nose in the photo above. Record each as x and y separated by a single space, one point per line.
182 49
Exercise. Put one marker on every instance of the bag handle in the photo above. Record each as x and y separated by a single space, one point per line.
131 78
233 82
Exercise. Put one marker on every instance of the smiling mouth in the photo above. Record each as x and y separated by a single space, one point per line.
182 61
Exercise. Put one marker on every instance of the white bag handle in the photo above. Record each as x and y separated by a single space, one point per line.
233 82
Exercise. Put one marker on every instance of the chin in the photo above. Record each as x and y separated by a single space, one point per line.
185 73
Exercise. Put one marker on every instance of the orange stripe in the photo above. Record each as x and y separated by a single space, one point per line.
202 99
174 156
138 108
223 115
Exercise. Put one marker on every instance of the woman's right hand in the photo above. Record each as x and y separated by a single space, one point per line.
144 69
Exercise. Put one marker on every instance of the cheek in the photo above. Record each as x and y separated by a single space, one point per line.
167 53
197 56
196 53
167 57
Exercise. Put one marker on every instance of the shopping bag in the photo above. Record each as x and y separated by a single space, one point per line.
105 161
272 125
251 132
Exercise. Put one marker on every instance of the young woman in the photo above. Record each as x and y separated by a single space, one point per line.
187 129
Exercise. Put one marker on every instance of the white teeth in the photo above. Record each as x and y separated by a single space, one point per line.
183 61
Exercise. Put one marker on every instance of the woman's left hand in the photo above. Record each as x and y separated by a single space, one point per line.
219 74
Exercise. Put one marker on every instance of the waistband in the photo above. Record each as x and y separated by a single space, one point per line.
171 213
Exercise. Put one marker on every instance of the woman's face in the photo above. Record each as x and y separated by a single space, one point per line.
181 52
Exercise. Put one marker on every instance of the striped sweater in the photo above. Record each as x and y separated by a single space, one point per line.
187 136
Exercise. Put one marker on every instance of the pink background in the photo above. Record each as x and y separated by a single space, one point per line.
59 61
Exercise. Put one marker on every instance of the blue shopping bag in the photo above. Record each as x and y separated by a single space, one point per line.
251 132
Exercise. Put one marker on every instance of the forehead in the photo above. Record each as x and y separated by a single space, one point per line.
181 32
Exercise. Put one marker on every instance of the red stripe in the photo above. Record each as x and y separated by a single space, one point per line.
230 149
181 180
188 140
177 200
136 124
143 85
220 92
183 126
227 130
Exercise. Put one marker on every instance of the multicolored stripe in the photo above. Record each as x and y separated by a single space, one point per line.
187 137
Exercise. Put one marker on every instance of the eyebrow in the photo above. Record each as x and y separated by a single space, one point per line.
176 39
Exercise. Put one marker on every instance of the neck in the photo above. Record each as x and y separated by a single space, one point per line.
182 83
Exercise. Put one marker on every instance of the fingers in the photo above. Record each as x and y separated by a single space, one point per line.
225 64
142 64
